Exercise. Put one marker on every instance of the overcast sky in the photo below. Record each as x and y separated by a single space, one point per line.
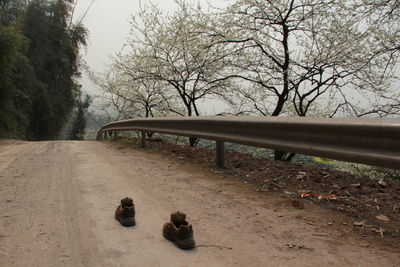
108 25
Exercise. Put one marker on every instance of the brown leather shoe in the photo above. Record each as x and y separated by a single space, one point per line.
125 212
179 231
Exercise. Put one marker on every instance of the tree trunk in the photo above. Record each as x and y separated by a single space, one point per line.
193 141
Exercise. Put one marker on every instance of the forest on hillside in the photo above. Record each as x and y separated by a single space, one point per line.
39 67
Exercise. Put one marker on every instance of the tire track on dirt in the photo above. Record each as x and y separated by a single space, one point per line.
40 221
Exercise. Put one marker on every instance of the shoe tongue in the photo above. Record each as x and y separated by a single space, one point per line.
178 218
127 201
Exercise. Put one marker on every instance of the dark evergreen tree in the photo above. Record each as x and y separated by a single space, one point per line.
79 122
39 61
16 74
53 53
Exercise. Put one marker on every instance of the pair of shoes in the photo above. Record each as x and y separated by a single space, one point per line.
125 212
178 230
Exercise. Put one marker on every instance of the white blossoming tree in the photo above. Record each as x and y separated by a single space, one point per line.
302 57
173 51
309 57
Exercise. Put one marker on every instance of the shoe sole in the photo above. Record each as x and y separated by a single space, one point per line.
127 221
183 244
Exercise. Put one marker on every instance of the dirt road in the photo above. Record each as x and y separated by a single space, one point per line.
57 201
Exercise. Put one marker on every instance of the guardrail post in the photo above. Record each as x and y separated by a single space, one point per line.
143 140
220 154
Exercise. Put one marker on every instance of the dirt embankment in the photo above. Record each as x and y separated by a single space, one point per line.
374 204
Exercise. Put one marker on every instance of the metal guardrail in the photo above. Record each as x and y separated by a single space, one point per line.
372 141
